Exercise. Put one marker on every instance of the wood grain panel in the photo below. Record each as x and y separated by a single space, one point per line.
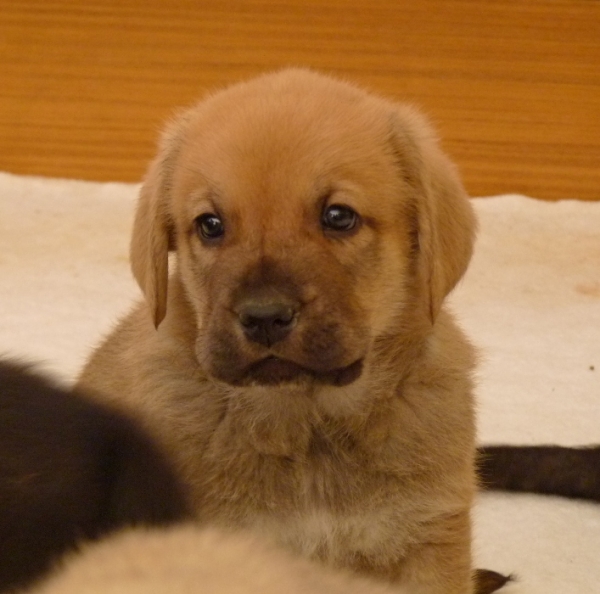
513 86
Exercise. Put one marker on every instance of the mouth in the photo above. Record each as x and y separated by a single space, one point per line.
272 371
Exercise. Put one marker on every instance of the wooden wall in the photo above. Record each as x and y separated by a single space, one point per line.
512 85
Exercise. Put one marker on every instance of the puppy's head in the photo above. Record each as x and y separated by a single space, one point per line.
310 219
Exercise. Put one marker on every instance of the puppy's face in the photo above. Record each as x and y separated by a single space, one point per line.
297 208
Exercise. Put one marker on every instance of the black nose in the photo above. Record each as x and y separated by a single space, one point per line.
267 322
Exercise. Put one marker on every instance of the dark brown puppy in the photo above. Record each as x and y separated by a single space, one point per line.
70 470
549 469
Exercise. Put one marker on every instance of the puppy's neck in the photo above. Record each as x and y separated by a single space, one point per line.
277 420
283 420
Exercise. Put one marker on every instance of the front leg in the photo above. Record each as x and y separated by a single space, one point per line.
441 564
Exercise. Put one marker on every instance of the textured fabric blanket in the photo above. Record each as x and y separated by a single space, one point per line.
530 301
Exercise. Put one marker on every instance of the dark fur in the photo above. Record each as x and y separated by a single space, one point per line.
70 470
551 470
488 581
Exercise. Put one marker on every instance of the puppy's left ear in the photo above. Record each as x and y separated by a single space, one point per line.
445 221
153 234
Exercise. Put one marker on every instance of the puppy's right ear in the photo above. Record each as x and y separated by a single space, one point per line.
153 233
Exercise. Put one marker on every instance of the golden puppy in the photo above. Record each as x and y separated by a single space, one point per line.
297 362
188 560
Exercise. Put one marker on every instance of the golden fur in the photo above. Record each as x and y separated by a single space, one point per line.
186 560
351 439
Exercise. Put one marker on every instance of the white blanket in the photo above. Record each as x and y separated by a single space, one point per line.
530 301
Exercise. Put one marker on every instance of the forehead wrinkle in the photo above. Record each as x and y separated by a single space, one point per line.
277 223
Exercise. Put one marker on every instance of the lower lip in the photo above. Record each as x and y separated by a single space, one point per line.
273 371
348 375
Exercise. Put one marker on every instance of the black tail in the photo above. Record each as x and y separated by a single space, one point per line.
551 470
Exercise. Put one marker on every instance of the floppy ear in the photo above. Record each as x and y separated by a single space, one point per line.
153 234
445 220
447 229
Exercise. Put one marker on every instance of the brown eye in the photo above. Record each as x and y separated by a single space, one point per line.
338 217
209 226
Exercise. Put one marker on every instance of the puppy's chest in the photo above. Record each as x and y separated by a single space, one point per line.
326 501
276 467
250 471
